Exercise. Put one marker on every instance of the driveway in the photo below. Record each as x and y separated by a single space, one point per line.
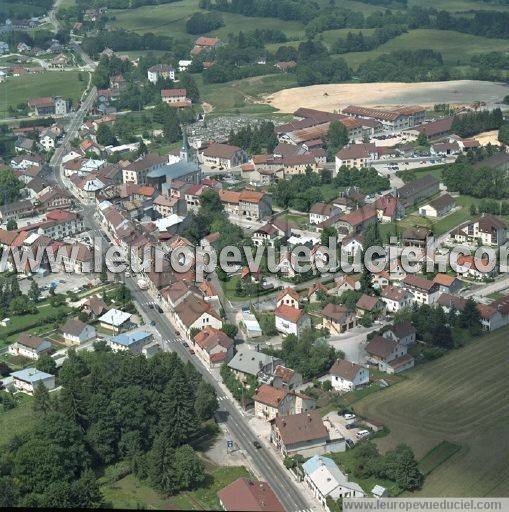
353 343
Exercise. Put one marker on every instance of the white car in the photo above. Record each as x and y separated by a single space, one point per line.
348 416
362 433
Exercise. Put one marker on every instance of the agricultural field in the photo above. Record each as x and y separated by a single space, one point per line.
458 398
170 19
456 48
461 5
16 90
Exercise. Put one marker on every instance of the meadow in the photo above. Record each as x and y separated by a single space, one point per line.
16 90
458 398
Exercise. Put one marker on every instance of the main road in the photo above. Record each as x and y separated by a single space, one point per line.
264 461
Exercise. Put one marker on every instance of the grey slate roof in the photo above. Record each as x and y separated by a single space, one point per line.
248 360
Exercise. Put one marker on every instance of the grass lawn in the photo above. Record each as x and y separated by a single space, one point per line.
242 95
17 90
456 48
17 420
129 492
346 460
28 322
458 398
438 226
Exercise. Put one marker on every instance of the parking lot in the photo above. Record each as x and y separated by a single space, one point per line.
334 421
63 282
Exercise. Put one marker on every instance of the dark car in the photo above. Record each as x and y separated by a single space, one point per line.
257 445
350 426
185 344
158 308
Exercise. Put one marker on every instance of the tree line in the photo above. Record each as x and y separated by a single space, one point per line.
472 123
255 139
112 407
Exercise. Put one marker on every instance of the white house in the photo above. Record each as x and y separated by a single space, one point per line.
158 71
325 480
290 320
347 376
76 332
114 319
395 298
28 379
195 313
29 346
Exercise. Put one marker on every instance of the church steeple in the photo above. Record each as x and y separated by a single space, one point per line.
184 150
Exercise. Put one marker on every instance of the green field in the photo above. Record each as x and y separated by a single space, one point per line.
460 398
170 19
438 226
242 95
456 48
16 90
129 492
460 5
16 421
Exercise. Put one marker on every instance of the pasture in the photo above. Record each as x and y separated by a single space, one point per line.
16 90
460 398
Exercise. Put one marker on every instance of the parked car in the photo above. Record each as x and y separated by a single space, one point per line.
185 344
191 351
257 445
350 426
362 433
158 308
349 416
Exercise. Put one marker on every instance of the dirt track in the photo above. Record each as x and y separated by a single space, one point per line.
332 97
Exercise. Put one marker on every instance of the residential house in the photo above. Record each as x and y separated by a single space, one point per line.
94 306
247 204
223 156
245 494
416 237
320 212
115 320
347 376
28 379
402 332
76 332
390 356
368 304
326 480
134 341
286 378
345 283
205 44
439 207
270 402
195 313
160 71
423 290
167 205
447 283
395 298
213 346
303 434
488 230
250 362
30 346
337 319
175 97
291 320
389 208
288 297
352 244
478 268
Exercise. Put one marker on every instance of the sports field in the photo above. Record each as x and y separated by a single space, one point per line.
460 398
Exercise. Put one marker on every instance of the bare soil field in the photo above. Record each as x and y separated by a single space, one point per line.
490 137
333 97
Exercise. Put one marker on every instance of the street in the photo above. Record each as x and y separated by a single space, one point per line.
269 468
